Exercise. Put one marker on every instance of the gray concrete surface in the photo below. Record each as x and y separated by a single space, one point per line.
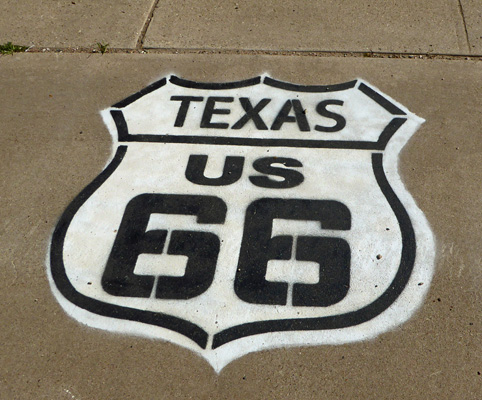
73 23
53 143
409 26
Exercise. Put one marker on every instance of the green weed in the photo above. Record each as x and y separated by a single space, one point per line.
10 48
102 47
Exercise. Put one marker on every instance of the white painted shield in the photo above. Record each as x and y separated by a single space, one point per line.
242 216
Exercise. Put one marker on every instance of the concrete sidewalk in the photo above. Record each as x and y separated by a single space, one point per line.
450 27
426 55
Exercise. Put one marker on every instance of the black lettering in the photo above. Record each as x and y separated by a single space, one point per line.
209 110
340 120
333 256
202 249
258 247
132 239
291 177
233 168
299 117
184 107
252 114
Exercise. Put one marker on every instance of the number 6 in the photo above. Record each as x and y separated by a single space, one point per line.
258 247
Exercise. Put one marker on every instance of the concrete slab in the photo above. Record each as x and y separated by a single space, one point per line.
53 143
410 26
76 23
473 19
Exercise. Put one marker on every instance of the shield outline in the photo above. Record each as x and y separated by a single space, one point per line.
62 286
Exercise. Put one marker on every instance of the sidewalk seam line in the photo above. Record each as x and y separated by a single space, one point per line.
298 53
145 27
461 9
328 53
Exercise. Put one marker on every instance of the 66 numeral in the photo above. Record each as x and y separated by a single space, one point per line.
257 248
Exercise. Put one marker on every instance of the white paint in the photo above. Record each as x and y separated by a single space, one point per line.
330 174
160 264
292 271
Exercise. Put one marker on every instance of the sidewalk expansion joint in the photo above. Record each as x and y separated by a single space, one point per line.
293 53
145 27
317 53
461 9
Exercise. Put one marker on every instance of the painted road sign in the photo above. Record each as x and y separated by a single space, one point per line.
241 216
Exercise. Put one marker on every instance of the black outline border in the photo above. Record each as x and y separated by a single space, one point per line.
57 267
309 88
190 330
136 96
357 317
214 86
389 130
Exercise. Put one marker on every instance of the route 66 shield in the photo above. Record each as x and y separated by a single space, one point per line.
241 216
